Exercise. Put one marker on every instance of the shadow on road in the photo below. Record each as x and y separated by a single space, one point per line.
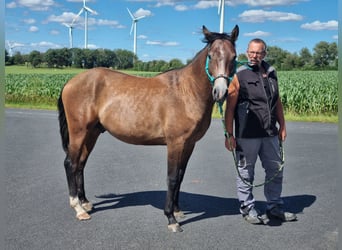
205 205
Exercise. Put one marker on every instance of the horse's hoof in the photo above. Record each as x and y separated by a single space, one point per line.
83 216
87 206
179 214
175 228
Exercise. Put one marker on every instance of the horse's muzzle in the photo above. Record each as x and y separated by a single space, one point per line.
220 89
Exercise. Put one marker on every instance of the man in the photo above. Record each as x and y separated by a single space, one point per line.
254 104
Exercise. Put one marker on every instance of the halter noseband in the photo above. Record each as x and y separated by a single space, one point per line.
212 79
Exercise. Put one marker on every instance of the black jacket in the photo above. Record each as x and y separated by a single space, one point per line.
255 113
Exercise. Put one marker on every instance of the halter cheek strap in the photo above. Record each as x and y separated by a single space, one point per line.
211 78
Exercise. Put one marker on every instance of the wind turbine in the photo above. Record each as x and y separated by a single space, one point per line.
86 9
134 28
71 27
221 11
10 48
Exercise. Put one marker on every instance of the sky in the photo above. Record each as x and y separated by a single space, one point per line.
168 29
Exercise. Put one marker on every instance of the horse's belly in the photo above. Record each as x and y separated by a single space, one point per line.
135 131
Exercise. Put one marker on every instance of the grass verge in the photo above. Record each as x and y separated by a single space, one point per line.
331 118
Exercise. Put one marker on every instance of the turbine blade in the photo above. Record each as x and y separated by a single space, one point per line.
219 7
66 25
131 28
130 13
140 17
90 10
77 16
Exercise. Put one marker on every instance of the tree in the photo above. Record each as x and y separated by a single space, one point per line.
58 57
18 59
175 63
325 55
106 58
305 58
291 61
125 59
35 58
7 58
276 56
333 52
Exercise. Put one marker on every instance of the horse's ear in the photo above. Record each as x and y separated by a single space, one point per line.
235 33
205 31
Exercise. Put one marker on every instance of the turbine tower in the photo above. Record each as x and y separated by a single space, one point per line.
86 9
134 29
221 13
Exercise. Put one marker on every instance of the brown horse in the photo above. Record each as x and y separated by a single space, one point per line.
173 109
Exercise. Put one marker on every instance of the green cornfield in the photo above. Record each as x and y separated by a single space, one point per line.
302 92
309 92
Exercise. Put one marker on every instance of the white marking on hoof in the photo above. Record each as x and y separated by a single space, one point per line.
87 206
81 213
179 215
175 228
83 216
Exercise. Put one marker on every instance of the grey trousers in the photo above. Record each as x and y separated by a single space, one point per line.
247 152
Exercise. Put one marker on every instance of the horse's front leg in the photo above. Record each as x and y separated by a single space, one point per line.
178 156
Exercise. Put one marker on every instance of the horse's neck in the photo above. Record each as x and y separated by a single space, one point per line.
198 78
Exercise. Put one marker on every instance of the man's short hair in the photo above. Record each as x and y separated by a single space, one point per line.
258 40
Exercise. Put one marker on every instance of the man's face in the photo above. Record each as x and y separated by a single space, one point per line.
256 53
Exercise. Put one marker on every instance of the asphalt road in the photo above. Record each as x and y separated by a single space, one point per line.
127 185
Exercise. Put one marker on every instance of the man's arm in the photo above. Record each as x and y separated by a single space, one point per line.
281 120
232 98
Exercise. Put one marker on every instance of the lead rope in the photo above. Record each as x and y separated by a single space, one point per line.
281 148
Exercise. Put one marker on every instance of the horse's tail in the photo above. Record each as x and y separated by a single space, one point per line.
63 125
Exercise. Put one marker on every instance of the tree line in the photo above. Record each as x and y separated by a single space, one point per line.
323 57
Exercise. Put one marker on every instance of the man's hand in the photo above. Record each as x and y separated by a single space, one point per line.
230 142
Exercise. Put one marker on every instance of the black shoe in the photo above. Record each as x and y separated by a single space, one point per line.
278 213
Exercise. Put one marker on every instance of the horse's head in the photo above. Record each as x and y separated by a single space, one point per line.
220 62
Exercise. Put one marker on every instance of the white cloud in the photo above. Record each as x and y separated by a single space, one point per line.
141 12
165 3
206 4
260 16
45 45
66 17
164 44
38 5
258 33
11 5
30 21
317 25
54 32
111 23
92 46
181 7
266 3
33 29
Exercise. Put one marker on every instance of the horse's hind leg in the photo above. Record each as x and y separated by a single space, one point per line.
88 147
74 164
